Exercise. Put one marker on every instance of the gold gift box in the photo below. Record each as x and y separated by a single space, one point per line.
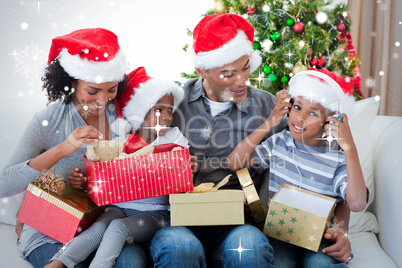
223 207
299 216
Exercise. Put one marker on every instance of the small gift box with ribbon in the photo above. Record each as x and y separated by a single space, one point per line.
205 205
139 172
57 209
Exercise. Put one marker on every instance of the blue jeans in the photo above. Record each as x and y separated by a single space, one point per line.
230 246
131 256
41 256
290 256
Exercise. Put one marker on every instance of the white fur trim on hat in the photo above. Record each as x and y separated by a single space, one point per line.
329 94
146 97
92 71
228 53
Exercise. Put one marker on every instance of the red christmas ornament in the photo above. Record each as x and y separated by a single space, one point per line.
314 62
250 11
322 61
298 27
309 52
340 27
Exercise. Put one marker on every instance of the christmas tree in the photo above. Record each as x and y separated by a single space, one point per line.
295 35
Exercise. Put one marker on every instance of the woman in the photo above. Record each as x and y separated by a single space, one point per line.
85 73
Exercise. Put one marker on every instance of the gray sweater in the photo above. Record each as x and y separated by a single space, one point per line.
46 129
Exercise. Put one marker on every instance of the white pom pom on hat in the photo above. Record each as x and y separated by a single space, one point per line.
220 39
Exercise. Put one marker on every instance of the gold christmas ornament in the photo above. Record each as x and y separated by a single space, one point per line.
299 68
220 7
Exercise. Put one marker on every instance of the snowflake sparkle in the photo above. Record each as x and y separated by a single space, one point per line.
30 62
157 127
3 212
162 223
240 249
370 82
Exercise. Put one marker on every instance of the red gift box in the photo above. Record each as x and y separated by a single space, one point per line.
61 217
161 173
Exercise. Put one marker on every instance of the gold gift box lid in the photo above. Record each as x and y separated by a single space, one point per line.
217 196
72 200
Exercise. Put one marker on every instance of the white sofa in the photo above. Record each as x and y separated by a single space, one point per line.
374 243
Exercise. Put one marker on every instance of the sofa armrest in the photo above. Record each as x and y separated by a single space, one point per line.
388 183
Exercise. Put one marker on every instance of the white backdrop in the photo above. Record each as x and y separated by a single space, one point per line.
152 32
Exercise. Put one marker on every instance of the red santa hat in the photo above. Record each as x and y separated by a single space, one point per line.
92 55
220 39
329 89
141 94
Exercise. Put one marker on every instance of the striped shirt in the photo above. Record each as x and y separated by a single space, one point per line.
318 169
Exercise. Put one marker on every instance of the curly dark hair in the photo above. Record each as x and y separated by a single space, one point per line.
58 83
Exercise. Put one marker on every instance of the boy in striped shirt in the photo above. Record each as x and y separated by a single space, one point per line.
301 156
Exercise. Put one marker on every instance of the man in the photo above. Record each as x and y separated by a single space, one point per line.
219 110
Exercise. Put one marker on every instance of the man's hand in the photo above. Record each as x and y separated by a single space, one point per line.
341 250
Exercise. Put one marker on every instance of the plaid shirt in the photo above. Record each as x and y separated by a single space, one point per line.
212 139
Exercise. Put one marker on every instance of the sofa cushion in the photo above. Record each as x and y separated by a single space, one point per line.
367 252
9 208
360 123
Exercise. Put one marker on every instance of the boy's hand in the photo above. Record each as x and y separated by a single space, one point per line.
76 178
340 131
341 250
281 108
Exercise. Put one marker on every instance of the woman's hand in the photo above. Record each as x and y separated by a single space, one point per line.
80 136
76 178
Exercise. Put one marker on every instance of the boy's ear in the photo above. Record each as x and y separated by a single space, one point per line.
292 100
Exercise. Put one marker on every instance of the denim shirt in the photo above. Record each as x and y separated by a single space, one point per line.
212 139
